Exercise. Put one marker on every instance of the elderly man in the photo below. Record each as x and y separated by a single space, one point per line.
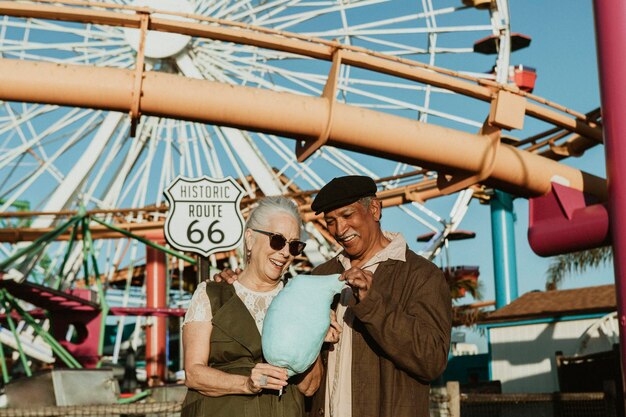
396 318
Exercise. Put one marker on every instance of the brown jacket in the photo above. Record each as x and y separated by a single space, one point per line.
400 341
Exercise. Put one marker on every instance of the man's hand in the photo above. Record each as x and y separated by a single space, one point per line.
227 275
334 331
359 280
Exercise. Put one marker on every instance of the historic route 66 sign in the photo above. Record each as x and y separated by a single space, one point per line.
204 215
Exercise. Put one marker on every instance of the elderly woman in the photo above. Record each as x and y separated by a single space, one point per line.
224 366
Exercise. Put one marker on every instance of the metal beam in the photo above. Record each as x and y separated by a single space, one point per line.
293 116
421 191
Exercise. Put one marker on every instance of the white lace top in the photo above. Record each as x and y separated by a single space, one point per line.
257 303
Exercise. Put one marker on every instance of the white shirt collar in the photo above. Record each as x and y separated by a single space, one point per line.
396 250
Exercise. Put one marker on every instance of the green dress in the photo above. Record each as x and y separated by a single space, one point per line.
235 349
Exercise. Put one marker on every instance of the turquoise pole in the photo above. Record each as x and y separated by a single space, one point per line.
503 241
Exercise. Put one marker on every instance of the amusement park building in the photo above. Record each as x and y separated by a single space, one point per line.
525 336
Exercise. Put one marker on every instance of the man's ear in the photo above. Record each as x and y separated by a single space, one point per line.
376 208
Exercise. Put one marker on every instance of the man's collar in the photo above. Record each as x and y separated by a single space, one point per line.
395 250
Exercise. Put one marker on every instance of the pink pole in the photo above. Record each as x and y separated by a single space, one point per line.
156 330
610 20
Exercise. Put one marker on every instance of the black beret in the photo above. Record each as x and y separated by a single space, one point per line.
343 191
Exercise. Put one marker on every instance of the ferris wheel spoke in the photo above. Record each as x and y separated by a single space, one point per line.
11 122
235 10
411 213
346 170
284 22
406 18
398 49
261 60
357 167
254 161
345 26
134 183
38 141
397 104
50 27
227 11
196 149
291 168
302 170
228 148
308 82
303 80
65 192
66 38
167 170
217 68
210 8
25 185
106 57
263 11
17 48
113 190
429 16
107 166
401 31
210 151
246 149
377 99
161 129
227 49
144 173
192 149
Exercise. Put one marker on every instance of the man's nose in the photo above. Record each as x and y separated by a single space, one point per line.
342 227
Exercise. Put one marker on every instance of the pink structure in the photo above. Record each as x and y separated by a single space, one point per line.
610 18
77 308
156 297
87 323
566 220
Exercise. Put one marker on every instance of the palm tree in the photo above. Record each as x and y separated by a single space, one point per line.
565 264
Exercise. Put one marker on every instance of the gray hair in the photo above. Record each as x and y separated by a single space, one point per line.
267 207
366 201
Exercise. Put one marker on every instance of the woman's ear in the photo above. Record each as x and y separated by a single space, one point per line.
249 239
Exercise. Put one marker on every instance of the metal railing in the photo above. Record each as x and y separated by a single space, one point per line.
445 401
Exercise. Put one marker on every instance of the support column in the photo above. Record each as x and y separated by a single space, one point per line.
156 293
503 241
610 20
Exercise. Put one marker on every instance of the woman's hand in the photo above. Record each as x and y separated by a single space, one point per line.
266 376
334 330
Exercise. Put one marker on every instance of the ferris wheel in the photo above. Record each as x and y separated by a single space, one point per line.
55 158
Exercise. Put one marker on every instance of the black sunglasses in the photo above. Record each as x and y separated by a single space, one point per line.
278 241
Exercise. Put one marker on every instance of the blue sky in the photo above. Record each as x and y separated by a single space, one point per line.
564 54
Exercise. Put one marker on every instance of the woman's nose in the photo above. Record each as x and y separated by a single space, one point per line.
285 251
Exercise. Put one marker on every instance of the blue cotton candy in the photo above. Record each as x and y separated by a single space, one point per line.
297 321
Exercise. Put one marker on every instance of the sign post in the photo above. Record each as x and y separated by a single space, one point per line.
204 215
